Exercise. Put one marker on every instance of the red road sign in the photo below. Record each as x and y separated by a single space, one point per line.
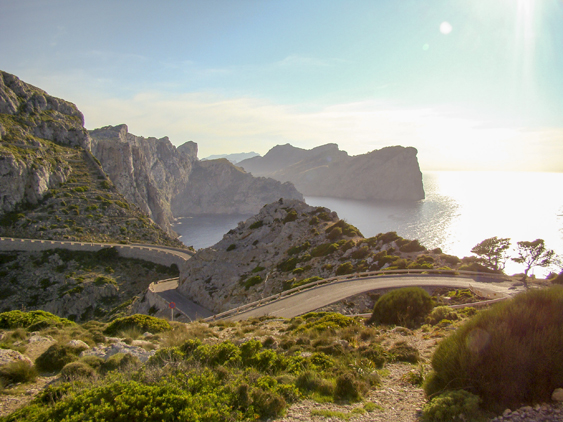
171 305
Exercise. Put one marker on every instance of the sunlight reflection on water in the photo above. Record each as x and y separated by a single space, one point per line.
460 210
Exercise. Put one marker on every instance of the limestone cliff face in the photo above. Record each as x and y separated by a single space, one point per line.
391 173
219 187
147 171
168 182
32 124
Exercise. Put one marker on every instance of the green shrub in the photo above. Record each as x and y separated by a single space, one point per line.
291 216
334 234
256 225
376 354
76 370
345 268
288 265
360 253
56 357
507 355
403 352
412 246
347 388
405 306
121 362
231 247
252 281
439 313
305 281
142 323
16 372
324 249
387 237
16 319
452 405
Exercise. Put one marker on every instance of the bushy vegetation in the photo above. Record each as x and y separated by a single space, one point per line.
139 322
17 372
34 319
407 306
508 355
56 357
452 405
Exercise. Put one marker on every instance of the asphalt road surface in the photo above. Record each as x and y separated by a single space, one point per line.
317 297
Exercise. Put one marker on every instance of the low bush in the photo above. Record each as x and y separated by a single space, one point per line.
324 250
376 354
508 355
305 281
407 306
142 323
439 313
252 281
56 357
412 246
403 352
77 370
347 388
345 268
334 234
291 216
16 372
452 405
256 225
16 319
121 362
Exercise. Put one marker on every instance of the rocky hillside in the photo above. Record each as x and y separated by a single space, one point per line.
391 173
50 185
169 182
288 244
33 127
77 285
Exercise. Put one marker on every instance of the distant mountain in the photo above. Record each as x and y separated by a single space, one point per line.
233 158
391 173
169 182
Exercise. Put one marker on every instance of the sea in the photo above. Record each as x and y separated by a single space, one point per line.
460 210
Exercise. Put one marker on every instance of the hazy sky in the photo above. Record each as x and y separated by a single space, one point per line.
472 84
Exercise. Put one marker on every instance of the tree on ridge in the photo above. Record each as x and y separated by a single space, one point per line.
533 254
492 252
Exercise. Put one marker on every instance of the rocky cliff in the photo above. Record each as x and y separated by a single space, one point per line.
391 173
33 125
147 171
169 182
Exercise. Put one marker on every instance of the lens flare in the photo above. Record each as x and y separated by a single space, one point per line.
445 28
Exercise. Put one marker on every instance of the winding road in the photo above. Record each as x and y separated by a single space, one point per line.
288 304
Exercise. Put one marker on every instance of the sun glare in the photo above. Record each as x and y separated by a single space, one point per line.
445 28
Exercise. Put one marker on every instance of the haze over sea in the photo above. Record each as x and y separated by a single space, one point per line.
460 210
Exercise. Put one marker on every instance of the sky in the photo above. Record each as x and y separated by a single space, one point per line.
472 84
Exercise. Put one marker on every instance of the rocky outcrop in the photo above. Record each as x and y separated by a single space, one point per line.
32 123
219 187
168 182
391 173
42 115
149 172
241 267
